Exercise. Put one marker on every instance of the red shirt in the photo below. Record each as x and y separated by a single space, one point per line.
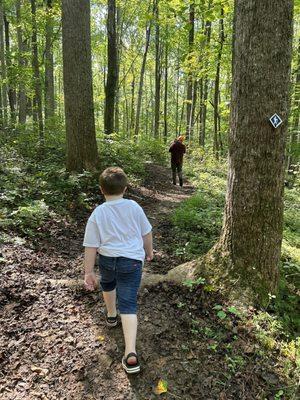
177 151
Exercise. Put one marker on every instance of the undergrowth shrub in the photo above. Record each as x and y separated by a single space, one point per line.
32 176
198 221
27 218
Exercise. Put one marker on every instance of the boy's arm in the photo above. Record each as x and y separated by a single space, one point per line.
91 243
148 246
90 279
89 259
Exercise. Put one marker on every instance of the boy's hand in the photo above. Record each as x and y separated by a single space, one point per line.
149 257
90 281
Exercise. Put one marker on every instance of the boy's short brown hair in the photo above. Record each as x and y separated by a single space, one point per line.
113 181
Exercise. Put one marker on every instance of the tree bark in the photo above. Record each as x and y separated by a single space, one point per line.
166 93
49 64
177 95
82 151
112 70
22 99
132 107
11 90
252 231
3 67
244 262
141 83
157 71
203 103
38 110
190 79
217 144
119 23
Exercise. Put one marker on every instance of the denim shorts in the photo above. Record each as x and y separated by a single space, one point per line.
123 274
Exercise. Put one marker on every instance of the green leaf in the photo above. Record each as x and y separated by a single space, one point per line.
218 307
233 310
221 315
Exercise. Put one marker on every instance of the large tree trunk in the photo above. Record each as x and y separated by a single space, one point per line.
217 133
190 79
38 110
252 230
49 65
245 260
112 71
22 99
82 151
141 83
3 67
157 71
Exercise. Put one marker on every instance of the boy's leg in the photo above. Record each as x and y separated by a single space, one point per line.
129 273
110 302
129 325
108 283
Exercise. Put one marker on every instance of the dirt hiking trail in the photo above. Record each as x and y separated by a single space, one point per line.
54 343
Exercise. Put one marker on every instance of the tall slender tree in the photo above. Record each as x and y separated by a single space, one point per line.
112 69
38 110
190 78
119 24
49 63
22 100
166 93
11 88
3 68
157 70
78 89
204 87
141 83
217 143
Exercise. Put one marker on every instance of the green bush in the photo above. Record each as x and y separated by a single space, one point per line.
129 154
30 177
26 218
198 220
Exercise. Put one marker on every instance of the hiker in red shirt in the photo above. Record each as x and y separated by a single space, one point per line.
177 150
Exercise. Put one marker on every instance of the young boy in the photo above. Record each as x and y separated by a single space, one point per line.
122 234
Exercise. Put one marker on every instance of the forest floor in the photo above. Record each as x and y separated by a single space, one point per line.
55 344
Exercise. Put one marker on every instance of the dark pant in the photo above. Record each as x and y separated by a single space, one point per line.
123 274
177 169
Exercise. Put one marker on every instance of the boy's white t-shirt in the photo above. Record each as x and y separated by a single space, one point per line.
116 228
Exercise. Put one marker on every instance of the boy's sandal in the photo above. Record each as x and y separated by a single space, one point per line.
112 321
131 368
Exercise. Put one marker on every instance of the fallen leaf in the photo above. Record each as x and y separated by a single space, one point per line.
39 370
162 387
101 338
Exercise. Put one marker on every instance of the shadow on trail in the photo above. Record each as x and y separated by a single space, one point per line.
182 341
55 344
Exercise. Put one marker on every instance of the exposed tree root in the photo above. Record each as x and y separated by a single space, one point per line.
215 267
